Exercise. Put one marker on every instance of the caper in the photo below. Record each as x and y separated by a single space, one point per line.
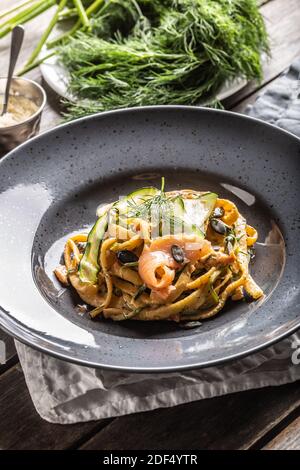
219 226
177 253
126 256
218 212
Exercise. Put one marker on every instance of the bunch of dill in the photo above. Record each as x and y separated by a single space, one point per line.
144 52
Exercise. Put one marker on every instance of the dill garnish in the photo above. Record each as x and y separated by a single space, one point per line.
153 204
159 210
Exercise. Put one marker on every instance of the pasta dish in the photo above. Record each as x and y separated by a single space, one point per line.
157 255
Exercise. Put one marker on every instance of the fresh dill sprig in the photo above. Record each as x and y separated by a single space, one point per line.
143 52
159 209
151 206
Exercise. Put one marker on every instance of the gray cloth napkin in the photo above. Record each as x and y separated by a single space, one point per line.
67 393
280 103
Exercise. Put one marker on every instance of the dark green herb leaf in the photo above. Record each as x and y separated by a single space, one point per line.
143 52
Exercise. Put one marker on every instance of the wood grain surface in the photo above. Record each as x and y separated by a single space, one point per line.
287 439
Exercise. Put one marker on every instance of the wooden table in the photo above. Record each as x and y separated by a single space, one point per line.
268 418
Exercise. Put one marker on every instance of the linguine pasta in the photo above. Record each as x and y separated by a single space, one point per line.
157 255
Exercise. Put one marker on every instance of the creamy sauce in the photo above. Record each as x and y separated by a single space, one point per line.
19 109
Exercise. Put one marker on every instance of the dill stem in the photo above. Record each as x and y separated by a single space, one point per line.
91 9
22 13
25 16
67 13
65 35
32 65
17 7
82 13
45 35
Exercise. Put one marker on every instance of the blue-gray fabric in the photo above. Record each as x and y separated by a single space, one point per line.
280 103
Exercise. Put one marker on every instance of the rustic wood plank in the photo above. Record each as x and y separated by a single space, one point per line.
234 421
282 19
242 105
22 428
288 439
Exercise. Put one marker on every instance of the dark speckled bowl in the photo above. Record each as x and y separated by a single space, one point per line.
52 185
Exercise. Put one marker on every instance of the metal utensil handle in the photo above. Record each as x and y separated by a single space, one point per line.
16 43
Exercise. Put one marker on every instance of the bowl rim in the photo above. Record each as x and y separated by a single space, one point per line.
24 334
37 112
